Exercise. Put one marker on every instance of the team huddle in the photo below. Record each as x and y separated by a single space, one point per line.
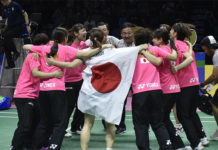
55 75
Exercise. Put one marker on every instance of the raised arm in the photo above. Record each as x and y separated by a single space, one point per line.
188 60
27 47
38 74
151 58
68 65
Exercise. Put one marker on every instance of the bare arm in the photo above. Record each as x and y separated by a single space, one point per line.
38 74
68 65
151 58
211 78
26 18
172 56
188 60
91 52
27 47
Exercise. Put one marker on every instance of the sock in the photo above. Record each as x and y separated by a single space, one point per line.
109 149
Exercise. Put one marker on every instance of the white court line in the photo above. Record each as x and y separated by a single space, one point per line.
8 113
8 117
173 116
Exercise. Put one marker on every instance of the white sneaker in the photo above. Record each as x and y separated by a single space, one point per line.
188 148
77 131
214 137
68 134
199 147
205 141
179 129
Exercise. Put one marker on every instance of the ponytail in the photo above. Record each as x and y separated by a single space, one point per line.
58 35
96 36
172 45
54 49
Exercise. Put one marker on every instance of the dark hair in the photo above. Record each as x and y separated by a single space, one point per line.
75 28
182 31
142 35
40 39
166 27
96 36
206 42
103 23
164 34
127 25
58 36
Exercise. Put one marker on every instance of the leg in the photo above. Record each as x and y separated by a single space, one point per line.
175 114
169 103
58 104
110 135
156 120
121 128
140 114
186 107
85 134
78 117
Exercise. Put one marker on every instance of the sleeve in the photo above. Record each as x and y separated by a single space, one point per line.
83 45
70 54
115 41
215 61
40 49
20 8
32 62
162 53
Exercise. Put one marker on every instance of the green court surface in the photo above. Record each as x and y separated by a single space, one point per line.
8 121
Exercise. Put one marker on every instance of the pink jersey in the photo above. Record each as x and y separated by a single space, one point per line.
187 76
146 75
27 85
74 75
65 53
168 80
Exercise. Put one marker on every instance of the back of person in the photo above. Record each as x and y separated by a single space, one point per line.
65 53
169 81
27 85
187 76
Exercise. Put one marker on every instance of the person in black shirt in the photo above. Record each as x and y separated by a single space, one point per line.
15 16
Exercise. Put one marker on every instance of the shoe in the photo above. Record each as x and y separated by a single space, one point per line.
188 148
179 129
120 130
214 137
67 134
185 148
78 131
205 141
199 147
15 56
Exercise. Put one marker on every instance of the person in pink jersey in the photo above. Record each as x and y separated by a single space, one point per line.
188 80
25 97
169 85
53 105
147 108
73 79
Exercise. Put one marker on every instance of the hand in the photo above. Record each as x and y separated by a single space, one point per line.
107 46
174 69
58 74
35 56
28 28
50 61
143 47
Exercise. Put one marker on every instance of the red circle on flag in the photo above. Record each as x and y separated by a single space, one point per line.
105 77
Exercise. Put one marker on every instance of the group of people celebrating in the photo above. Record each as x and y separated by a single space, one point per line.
165 74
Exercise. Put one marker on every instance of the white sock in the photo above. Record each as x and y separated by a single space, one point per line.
109 149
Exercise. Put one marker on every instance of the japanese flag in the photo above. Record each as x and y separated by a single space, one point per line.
107 79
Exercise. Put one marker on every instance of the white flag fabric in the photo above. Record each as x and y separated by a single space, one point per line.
107 79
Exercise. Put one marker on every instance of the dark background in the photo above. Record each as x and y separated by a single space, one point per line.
148 13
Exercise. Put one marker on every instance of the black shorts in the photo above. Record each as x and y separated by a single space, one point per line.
215 98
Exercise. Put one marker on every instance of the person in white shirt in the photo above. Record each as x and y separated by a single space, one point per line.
109 39
210 47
